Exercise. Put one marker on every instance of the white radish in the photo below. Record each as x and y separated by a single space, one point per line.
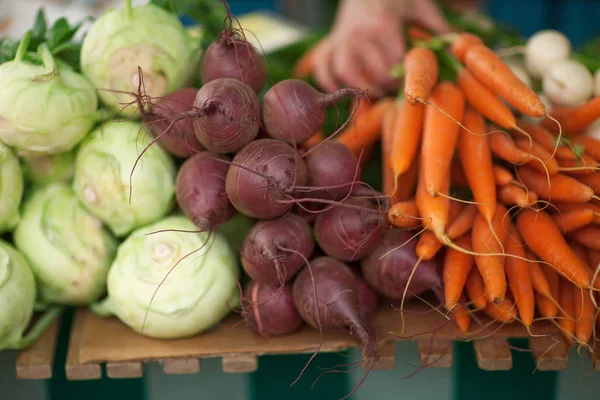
593 130
519 70
568 83
544 49
597 83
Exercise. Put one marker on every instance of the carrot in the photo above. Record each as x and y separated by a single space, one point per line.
454 209
440 135
461 317
458 177
463 222
564 207
457 266
318 137
304 66
476 159
502 176
562 187
462 43
567 303
589 236
576 119
365 130
404 215
407 182
545 240
546 307
592 181
590 144
514 195
433 210
584 166
415 32
504 147
540 153
427 246
389 184
406 137
547 140
518 276
553 279
573 220
486 66
476 289
503 312
421 72
483 240
538 279
594 256
584 316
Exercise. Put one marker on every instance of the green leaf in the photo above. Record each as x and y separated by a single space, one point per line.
8 49
38 33
59 32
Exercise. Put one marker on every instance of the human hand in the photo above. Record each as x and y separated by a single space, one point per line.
367 40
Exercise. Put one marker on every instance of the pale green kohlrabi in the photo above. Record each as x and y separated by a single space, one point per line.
145 37
197 293
17 297
42 169
68 249
46 108
102 178
11 188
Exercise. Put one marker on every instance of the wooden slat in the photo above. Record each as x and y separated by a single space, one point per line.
435 353
132 369
36 361
493 354
74 369
240 363
176 366
549 353
596 356
387 357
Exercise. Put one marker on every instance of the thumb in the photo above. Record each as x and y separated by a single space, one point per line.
427 13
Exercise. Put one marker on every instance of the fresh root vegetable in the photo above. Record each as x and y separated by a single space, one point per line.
293 110
367 297
421 72
544 49
407 129
588 235
544 138
513 195
457 266
463 222
275 250
574 119
573 220
404 214
475 289
568 83
560 187
503 312
463 42
566 316
427 246
270 311
518 276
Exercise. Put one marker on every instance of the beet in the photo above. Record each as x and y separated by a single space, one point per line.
275 250
178 139
389 275
200 190
333 167
348 233
270 310
227 115
293 110
367 297
231 56
338 304
262 179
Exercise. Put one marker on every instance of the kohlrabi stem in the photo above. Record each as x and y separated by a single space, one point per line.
41 325
128 10
22 49
103 308
47 58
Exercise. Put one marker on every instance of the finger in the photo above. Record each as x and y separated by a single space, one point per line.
376 64
391 38
428 14
347 68
323 71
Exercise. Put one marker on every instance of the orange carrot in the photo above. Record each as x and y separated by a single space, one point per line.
565 207
548 141
454 210
573 220
365 130
427 246
433 210
387 175
415 32
483 240
553 279
440 135
590 144
421 72
476 159
545 240
463 222
562 187
502 176
458 178
566 300
504 147
584 315
594 256
486 66
462 43
538 151
318 137
504 312
545 306
518 276
304 66
514 195
404 215
475 289
461 317
457 266
589 236
407 182
538 278
406 137
574 119
585 166
592 181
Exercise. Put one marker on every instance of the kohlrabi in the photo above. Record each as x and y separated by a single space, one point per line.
11 188
198 292
17 297
42 169
106 186
45 106
68 250
145 37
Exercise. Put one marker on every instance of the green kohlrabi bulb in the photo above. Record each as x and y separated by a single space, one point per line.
11 188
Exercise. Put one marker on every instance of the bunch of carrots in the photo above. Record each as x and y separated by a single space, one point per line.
524 243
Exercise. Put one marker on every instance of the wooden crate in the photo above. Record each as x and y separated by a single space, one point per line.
36 361
96 341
